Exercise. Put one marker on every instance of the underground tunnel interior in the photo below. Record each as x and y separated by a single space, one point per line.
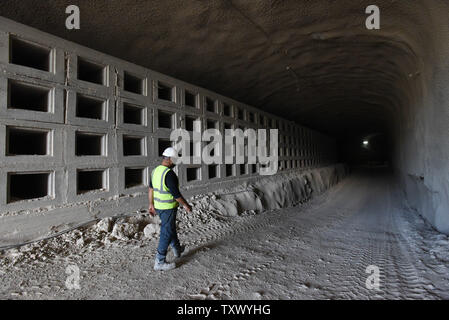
316 64
313 62
382 95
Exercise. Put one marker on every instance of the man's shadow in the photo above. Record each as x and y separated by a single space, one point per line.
188 255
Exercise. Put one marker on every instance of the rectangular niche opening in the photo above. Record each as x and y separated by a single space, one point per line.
229 171
213 171
193 148
227 110
28 97
163 144
91 108
165 120
25 141
240 114
133 114
27 186
251 117
212 124
133 146
190 99
29 54
210 105
193 174
90 180
89 144
190 123
91 72
132 83
242 169
165 91
253 168
134 177
282 126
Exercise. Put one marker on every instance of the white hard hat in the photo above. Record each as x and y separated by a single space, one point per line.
170 152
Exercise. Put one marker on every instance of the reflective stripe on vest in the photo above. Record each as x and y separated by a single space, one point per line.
163 199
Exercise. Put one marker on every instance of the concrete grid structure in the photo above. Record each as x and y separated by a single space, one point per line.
80 132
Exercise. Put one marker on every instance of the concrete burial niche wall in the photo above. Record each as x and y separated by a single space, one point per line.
80 132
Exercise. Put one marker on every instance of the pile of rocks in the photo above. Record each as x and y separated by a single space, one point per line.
105 232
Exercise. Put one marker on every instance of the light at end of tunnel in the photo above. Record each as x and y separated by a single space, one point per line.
365 142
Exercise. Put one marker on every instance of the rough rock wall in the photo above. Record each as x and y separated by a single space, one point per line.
422 126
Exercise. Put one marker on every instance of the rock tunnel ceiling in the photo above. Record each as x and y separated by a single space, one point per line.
311 61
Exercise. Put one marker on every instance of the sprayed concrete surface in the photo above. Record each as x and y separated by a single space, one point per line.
318 249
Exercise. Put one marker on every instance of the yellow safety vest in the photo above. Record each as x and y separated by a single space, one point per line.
163 199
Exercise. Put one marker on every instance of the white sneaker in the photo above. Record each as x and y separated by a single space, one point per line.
163 266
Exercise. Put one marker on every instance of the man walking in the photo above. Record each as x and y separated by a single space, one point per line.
165 197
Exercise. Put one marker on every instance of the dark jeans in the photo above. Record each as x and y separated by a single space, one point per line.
168 234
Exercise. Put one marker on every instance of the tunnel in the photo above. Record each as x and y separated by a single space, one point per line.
379 94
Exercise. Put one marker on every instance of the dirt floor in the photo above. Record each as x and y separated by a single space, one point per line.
317 250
